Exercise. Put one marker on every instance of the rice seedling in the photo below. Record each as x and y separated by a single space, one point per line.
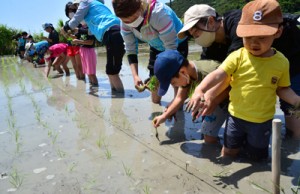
13 70
127 170
82 125
86 133
72 166
75 118
89 184
53 136
115 120
15 178
11 123
67 109
151 84
100 141
17 135
38 115
10 110
22 86
61 153
260 187
99 111
146 189
45 125
18 146
107 153
125 124
296 188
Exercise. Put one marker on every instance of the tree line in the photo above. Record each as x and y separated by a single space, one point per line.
222 6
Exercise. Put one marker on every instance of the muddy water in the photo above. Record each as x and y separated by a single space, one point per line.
58 136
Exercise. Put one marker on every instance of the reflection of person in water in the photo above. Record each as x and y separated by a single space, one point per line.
58 99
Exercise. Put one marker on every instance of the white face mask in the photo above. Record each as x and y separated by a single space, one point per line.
83 23
136 23
187 79
71 15
206 39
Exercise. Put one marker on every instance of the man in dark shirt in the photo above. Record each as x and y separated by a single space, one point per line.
217 36
53 37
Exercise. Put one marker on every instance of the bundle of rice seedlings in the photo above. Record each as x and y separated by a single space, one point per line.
150 84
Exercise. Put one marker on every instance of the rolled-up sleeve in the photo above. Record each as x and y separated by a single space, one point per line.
130 41
80 14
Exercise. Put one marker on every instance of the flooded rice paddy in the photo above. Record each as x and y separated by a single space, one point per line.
58 136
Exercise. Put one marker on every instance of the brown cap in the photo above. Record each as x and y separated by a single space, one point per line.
260 18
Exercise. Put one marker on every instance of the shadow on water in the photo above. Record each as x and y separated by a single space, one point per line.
290 166
104 91
180 129
290 160
108 93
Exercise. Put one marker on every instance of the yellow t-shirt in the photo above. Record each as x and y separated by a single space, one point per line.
254 83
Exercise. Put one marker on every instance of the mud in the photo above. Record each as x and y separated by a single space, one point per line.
58 136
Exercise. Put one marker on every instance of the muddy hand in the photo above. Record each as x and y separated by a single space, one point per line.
140 88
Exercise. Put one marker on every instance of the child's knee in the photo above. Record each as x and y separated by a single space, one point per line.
257 154
211 139
229 152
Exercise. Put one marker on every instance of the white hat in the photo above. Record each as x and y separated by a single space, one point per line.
193 15
76 1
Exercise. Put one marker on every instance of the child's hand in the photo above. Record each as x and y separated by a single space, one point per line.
75 41
138 82
75 30
63 32
158 120
72 36
196 104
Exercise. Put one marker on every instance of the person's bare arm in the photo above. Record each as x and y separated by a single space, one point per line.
288 95
135 74
177 102
210 87
48 68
